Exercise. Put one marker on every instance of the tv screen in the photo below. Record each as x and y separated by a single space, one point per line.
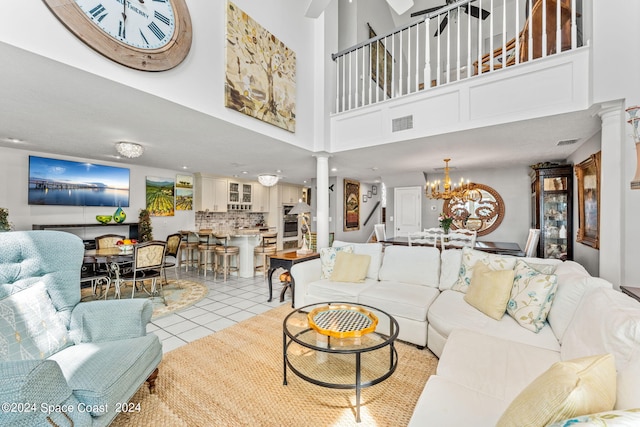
64 182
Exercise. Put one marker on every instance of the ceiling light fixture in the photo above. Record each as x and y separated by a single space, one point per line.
450 191
130 150
268 179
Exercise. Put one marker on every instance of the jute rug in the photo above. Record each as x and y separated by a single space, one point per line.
179 294
234 378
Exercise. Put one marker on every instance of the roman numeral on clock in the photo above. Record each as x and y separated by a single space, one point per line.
97 12
161 17
155 30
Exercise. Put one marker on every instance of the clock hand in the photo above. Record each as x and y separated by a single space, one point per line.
124 18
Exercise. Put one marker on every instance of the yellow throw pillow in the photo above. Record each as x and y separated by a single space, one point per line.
350 267
567 389
489 291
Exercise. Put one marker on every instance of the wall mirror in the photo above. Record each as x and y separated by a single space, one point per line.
483 214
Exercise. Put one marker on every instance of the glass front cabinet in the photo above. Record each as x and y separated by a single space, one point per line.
551 205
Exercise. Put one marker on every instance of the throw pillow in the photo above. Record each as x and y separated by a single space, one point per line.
567 389
30 319
531 296
350 267
328 259
489 290
621 418
469 259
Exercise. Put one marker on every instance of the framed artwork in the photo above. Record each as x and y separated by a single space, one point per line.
184 192
381 64
374 190
364 198
351 205
160 196
260 72
369 194
588 173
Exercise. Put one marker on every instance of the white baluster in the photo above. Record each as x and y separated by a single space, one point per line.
417 83
427 54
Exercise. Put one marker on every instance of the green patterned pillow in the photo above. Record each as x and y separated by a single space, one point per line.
531 296
328 258
622 418
29 326
469 259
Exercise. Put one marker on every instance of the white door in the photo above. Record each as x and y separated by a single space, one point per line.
407 207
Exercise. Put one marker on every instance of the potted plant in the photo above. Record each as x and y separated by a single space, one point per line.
5 225
145 231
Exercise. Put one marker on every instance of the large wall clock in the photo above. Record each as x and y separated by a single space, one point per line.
149 35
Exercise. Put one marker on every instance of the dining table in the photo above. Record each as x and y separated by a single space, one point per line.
505 248
113 262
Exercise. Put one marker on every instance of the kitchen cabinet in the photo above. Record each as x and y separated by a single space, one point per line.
289 194
210 193
552 210
261 198
240 195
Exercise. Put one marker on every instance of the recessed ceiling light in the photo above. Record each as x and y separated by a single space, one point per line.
566 142
244 172
334 169
14 140
185 167
278 171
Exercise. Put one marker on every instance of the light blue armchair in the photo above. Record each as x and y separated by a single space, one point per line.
63 362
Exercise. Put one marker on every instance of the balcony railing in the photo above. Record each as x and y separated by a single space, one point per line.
458 41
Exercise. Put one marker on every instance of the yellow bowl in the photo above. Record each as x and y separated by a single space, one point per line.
104 219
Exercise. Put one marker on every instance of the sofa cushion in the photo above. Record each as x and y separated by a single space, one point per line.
608 321
350 267
29 319
620 418
466 317
469 259
400 299
328 259
326 290
567 389
531 296
571 289
417 265
450 261
105 373
489 290
372 249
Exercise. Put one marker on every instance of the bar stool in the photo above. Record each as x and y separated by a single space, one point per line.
188 247
266 248
206 246
226 253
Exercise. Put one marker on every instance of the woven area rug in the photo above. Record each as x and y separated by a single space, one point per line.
179 294
234 378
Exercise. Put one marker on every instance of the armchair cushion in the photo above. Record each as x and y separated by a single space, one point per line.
111 320
29 325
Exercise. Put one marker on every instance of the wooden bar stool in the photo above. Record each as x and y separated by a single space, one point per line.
188 249
266 248
206 247
225 255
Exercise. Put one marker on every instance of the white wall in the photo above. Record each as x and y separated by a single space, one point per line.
198 82
14 174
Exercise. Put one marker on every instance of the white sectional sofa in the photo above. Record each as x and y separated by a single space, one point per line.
485 363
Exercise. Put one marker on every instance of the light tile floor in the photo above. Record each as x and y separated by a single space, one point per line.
225 305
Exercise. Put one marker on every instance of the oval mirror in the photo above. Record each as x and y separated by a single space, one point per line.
484 213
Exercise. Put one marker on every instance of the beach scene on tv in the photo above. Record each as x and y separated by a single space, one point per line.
64 182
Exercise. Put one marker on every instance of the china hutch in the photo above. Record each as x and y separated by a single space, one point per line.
552 213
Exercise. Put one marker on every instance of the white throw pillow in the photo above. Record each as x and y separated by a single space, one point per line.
531 296
470 257
374 250
450 261
328 259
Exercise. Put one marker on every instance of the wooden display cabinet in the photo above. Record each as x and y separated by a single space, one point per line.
552 210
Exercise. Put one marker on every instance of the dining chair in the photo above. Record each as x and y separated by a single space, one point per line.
263 251
172 255
459 238
89 273
428 237
531 248
148 260
381 233
108 241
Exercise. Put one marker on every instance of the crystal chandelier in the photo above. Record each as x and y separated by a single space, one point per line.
130 150
459 191
268 179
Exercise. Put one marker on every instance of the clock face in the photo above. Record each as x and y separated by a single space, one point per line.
143 24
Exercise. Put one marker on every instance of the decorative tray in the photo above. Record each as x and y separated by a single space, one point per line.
342 321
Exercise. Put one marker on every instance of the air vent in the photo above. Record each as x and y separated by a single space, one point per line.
402 123
566 142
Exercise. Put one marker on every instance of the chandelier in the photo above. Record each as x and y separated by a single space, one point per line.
130 150
459 191
268 179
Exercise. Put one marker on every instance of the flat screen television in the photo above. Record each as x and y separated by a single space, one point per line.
64 182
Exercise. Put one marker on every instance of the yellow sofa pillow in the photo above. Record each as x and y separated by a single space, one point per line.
567 389
350 267
489 290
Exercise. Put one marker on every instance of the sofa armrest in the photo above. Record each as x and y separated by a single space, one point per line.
304 273
111 320
26 386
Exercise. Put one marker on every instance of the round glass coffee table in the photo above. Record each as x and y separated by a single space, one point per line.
340 345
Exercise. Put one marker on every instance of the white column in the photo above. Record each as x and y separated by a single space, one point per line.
322 198
612 187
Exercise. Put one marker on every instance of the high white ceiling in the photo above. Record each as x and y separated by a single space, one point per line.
61 110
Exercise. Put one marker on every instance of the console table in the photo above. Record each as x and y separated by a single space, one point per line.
286 260
133 227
